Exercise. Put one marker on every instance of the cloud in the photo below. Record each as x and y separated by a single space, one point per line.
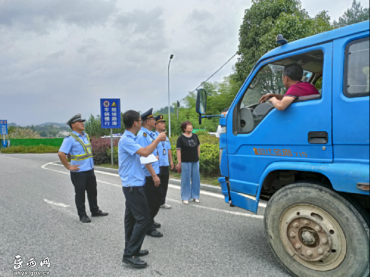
142 30
39 16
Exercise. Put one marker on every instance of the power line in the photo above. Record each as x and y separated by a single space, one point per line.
210 76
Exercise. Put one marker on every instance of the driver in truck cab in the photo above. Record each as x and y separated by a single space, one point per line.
292 76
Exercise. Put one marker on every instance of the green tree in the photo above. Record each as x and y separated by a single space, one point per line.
263 21
353 15
219 97
94 129
22 133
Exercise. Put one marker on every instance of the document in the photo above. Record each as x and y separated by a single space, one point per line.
148 160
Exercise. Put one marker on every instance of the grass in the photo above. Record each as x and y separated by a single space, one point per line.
203 179
115 166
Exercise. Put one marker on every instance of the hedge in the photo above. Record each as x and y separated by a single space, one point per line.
35 142
30 149
100 147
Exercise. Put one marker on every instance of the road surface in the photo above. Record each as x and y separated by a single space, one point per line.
38 220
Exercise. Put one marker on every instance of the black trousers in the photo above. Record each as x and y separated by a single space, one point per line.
164 176
137 220
85 181
154 197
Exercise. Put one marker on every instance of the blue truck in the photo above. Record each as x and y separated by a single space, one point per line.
310 161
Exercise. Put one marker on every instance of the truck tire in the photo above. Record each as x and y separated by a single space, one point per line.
314 231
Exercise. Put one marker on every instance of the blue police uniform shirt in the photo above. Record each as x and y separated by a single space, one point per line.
130 170
73 147
163 159
144 138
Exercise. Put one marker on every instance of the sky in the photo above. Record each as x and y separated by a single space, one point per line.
58 58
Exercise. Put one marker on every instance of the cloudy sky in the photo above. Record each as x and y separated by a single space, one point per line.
59 57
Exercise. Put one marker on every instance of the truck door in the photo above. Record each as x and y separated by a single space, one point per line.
351 104
351 99
262 135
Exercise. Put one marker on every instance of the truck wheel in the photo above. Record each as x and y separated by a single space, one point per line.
313 231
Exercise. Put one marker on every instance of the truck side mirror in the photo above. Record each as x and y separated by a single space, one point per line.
201 104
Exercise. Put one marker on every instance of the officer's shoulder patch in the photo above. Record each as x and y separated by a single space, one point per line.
144 134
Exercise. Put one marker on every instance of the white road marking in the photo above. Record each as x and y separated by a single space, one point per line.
56 203
44 167
218 210
260 204
171 186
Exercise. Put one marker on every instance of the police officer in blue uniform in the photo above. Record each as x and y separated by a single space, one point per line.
165 159
77 146
153 190
137 216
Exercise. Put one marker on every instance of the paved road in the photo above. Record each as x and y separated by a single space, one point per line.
38 219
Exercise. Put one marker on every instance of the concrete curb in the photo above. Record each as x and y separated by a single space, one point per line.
172 181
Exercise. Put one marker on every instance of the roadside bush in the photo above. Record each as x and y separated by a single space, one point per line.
206 138
100 147
209 160
209 154
115 154
30 149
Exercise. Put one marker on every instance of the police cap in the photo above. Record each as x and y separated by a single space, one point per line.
159 118
74 119
147 115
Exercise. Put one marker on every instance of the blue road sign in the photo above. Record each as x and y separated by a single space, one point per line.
110 113
3 127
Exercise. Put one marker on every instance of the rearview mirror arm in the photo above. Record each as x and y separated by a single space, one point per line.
211 116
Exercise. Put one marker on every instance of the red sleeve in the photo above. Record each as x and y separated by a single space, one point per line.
293 91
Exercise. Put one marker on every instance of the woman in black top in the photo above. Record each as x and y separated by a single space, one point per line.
188 152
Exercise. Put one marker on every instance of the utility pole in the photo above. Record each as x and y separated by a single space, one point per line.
169 101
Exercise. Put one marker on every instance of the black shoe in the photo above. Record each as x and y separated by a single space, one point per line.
134 261
157 225
99 213
85 219
155 234
143 253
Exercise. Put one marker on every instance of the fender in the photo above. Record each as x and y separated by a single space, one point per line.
343 176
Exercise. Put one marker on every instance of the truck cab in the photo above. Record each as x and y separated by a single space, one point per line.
310 161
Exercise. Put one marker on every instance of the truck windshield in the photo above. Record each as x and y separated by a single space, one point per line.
268 80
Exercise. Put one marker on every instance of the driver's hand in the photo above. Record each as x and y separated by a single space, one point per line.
271 100
265 98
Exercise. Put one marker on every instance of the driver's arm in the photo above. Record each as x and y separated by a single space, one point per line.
283 103
270 95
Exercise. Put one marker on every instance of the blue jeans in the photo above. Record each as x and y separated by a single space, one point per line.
190 181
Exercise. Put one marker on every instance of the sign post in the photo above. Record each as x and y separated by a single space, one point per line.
110 115
3 130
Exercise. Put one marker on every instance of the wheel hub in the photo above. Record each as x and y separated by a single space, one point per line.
309 239
313 237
